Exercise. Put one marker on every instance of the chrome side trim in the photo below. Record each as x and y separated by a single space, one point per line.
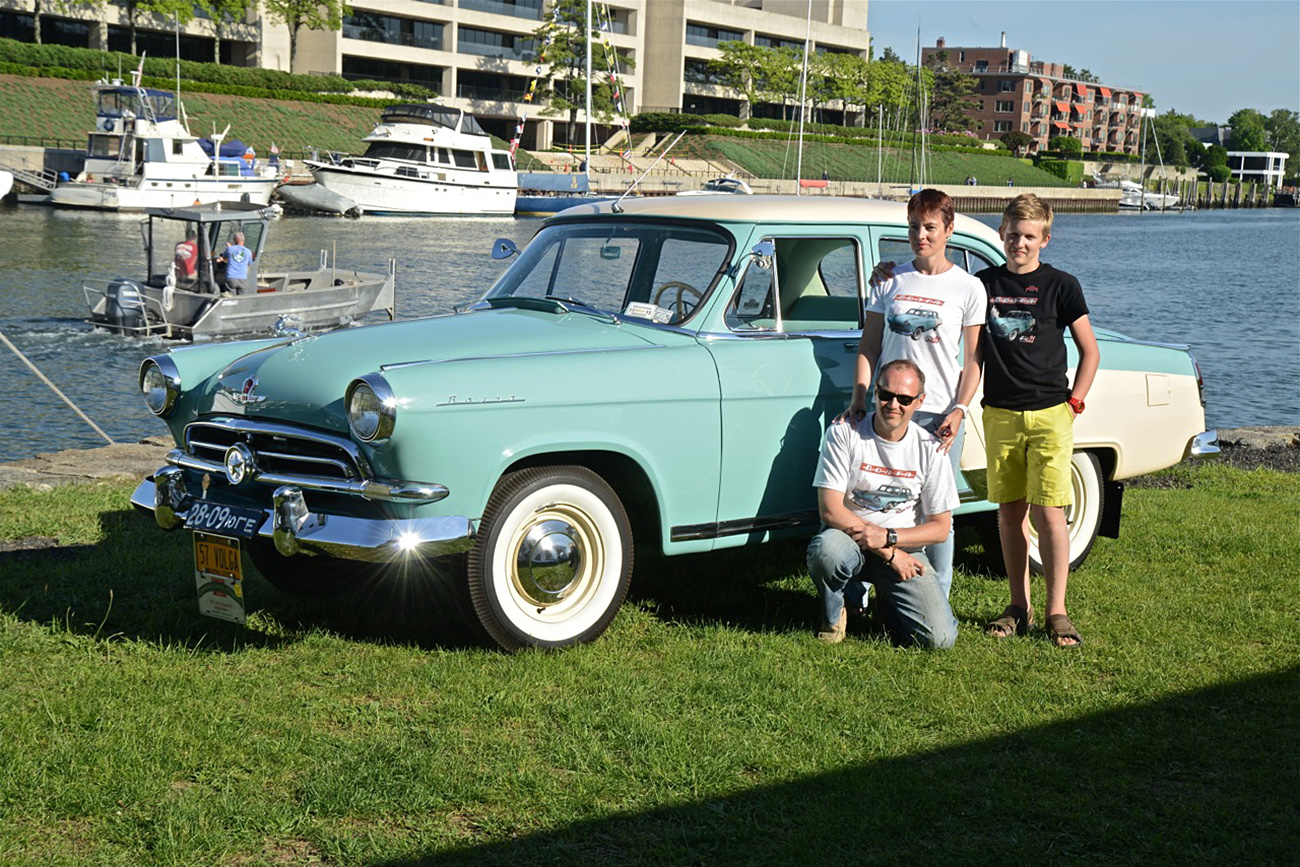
371 540
1204 445
369 489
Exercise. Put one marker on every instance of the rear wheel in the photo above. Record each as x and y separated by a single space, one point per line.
553 560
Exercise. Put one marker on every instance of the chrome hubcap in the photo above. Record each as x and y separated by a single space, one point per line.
549 562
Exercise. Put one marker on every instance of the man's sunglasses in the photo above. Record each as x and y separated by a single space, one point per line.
886 396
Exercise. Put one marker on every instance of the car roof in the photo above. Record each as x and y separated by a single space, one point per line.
771 209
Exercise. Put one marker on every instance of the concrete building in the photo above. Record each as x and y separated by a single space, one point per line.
1268 168
478 54
1017 92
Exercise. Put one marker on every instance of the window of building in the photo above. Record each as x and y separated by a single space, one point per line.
491 43
531 9
391 30
709 37
1004 106
961 56
981 66
355 68
762 40
1002 126
1006 86
697 71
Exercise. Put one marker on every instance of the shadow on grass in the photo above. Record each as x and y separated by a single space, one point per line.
752 588
1205 777
138 584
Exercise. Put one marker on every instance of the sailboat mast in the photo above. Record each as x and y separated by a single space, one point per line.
911 180
586 158
803 98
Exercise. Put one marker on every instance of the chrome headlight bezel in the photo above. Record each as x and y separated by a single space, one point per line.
160 384
371 408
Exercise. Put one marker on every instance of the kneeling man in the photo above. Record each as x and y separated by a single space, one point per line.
885 491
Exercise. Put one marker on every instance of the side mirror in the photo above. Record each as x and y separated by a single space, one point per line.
503 248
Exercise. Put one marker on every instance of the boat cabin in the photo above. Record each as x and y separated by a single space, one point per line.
214 227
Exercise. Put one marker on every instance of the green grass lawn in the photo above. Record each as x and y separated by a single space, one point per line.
707 726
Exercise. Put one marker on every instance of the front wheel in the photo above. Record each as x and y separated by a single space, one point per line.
553 560
1083 519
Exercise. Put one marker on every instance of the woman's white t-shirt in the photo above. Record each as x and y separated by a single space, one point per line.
924 317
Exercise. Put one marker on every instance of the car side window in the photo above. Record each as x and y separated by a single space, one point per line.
751 308
814 283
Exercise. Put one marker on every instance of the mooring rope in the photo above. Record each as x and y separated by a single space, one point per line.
45 379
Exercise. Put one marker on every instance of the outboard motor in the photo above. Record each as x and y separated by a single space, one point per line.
124 305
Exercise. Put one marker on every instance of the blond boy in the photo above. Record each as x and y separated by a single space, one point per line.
1029 410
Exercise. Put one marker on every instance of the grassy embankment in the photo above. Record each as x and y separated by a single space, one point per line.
54 108
707 726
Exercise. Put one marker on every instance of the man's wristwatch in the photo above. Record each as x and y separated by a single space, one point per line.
1076 405
891 538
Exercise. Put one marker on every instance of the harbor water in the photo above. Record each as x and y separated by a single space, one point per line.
1226 282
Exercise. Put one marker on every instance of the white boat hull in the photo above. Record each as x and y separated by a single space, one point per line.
377 193
158 193
6 183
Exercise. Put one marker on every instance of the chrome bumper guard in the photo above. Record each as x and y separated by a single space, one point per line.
295 529
1204 445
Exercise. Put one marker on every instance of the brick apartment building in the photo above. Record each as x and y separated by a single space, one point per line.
1035 97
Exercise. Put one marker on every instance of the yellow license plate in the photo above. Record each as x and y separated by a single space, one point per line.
217 555
219 577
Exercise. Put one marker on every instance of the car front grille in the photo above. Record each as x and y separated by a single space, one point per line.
280 450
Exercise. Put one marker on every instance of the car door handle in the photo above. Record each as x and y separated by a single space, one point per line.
851 346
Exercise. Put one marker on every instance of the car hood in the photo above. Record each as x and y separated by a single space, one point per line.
304 381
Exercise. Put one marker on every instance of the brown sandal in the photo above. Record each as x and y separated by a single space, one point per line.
1060 630
1014 621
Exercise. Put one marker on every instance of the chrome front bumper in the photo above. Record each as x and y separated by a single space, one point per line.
295 529
1204 445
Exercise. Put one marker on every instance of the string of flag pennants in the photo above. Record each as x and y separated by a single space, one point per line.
604 25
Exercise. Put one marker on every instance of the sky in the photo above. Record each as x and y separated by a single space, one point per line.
1206 58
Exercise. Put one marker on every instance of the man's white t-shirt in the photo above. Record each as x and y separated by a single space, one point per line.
924 316
892 485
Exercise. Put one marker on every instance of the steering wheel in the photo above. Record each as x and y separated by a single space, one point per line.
680 302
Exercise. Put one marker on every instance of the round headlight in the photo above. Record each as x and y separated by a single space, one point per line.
372 409
160 384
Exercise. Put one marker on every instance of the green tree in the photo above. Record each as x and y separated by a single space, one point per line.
953 98
1248 132
167 11
297 14
761 74
561 46
890 56
1017 142
1283 127
1068 146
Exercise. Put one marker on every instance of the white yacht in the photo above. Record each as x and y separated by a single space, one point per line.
1133 197
141 155
424 159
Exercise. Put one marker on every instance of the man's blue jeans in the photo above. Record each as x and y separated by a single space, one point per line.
940 554
914 611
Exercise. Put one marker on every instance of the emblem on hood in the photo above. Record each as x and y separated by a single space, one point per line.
246 396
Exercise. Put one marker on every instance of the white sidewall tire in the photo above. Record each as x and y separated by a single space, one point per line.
1083 519
582 500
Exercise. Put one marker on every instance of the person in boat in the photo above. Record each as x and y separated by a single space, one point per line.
236 258
884 492
187 259
932 312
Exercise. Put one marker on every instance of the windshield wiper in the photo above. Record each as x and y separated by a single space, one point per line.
550 304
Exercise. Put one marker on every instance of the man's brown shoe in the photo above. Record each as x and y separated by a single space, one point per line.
834 634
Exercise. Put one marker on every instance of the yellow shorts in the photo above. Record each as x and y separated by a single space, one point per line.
1029 454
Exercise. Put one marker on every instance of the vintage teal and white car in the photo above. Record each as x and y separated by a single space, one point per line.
656 373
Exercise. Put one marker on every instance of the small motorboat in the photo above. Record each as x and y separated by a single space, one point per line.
725 186
170 302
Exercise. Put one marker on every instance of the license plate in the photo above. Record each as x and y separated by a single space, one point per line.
219 577
236 521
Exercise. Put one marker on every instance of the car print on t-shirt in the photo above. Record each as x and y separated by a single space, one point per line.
883 499
1011 324
914 322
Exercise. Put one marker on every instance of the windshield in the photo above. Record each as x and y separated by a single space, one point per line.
654 271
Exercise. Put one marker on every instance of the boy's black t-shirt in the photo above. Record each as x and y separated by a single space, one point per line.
1024 336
